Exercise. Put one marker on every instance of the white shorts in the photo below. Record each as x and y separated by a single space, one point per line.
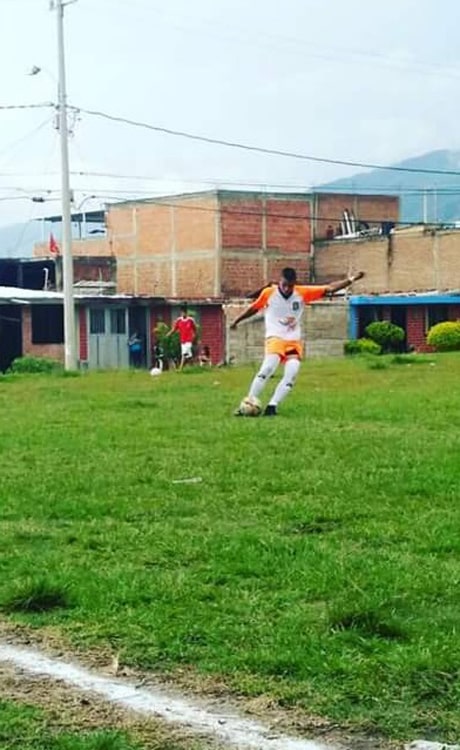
186 350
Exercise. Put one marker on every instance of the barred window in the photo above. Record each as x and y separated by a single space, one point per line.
97 321
436 314
47 324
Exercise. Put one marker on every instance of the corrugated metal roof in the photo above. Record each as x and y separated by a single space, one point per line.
18 295
14 293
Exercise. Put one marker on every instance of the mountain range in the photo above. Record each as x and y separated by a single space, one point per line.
423 196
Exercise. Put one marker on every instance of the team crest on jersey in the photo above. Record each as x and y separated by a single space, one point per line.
296 306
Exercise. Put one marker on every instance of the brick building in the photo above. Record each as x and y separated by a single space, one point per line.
415 313
412 278
413 259
206 248
222 243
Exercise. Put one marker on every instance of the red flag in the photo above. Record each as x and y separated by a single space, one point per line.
53 245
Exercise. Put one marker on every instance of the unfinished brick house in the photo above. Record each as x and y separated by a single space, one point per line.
207 248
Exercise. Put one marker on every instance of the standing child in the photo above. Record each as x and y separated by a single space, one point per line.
186 327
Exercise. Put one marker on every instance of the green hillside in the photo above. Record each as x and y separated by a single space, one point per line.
435 196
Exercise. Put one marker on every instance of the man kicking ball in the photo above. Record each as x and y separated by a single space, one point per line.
283 305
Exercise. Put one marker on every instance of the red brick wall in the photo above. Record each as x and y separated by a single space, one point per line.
241 223
260 235
168 248
288 226
415 332
53 351
90 246
83 326
213 331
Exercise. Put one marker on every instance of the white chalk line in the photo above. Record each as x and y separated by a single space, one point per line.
230 729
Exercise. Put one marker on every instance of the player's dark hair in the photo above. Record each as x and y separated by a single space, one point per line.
184 309
290 275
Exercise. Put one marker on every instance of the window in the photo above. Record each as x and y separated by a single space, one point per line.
436 314
117 321
97 321
47 324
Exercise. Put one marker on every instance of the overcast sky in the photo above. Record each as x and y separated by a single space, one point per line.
356 80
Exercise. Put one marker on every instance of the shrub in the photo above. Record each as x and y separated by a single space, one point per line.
34 365
169 345
361 346
445 337
386 334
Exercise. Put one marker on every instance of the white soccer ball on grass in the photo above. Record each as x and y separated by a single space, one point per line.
250 407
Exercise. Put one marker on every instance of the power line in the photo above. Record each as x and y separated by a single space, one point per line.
265 186
262 150
169 203
34 131
27 106
263 39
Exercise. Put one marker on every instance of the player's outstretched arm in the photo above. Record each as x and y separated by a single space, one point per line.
336 286
248 313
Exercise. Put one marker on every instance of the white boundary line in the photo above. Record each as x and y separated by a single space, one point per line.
231 729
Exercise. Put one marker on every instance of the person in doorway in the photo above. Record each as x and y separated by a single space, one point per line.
186 327
135 350
283 305
158 356
205 356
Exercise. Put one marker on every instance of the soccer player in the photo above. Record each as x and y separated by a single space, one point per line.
186 327
283 305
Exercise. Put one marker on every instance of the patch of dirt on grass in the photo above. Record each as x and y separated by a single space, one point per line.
69 710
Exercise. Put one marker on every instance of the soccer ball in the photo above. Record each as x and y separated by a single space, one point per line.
155 371
250 407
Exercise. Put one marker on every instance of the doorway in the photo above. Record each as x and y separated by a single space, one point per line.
10 335
108 338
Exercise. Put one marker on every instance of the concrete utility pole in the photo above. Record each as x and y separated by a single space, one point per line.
67 261
425 206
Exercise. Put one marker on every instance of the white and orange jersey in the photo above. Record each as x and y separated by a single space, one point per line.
283 315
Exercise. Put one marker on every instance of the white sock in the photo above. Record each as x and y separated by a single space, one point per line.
291 369
267 369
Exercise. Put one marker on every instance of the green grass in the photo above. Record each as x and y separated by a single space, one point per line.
317 560
28 728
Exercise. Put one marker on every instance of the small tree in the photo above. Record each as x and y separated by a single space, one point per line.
361 346
170 345
445 337
388 335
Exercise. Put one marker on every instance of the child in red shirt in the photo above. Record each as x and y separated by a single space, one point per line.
186 327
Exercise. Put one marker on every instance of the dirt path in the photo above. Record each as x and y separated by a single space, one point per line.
97 693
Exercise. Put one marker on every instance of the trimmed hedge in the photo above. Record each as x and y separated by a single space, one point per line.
445 337
388 335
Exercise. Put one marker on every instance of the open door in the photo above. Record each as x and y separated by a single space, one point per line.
10 335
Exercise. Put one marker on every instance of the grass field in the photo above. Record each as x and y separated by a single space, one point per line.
28 729
317 560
